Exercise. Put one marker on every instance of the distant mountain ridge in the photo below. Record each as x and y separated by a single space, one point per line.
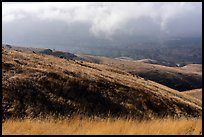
171 52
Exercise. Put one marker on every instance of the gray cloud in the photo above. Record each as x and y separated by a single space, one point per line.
70 23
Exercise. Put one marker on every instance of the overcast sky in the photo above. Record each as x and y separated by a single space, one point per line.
84 23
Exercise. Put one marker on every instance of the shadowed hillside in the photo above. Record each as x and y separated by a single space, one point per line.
179 78
40 85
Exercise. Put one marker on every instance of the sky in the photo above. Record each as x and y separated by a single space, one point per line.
68 24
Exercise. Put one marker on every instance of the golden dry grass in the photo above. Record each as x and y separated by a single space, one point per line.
76 125
197 93
178 78
83 87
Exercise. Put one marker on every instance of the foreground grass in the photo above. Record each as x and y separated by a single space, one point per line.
76 125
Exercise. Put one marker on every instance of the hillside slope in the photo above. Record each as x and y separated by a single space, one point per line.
41 85
179 78
197 93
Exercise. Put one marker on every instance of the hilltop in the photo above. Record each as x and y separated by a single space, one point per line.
47 51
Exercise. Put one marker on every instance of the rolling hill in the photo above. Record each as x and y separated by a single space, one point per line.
38 85
197 93
179 78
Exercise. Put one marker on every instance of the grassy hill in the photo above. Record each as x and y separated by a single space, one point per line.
179 78
40 85
197 93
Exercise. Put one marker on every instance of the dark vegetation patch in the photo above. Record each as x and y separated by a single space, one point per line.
60 54
177 81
